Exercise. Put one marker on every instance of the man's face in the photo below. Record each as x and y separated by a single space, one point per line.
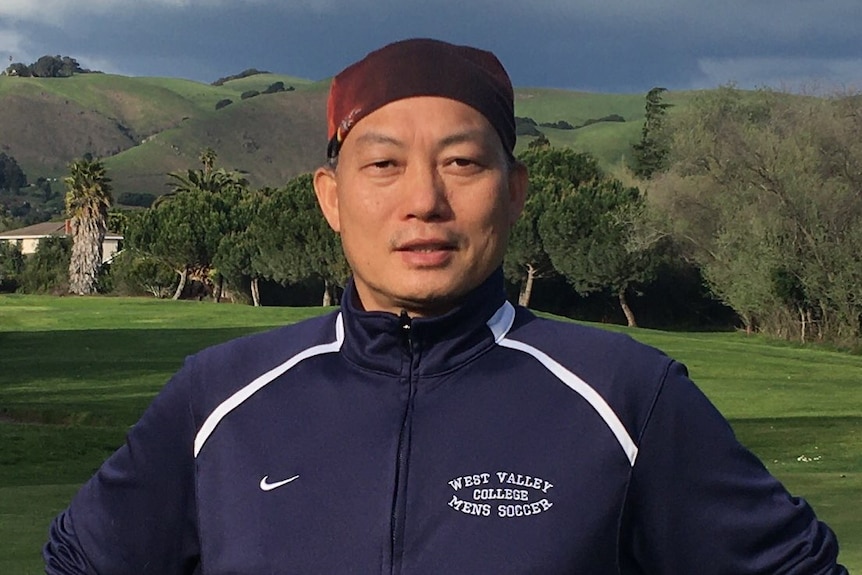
424 198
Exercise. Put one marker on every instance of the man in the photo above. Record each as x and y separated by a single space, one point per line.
429 426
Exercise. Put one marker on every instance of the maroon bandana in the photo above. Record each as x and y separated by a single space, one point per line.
421 67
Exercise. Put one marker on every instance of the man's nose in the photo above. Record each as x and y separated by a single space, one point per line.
425 194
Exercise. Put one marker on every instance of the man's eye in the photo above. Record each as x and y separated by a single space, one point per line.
382 164
465 166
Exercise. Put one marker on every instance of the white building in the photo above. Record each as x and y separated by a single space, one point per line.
27 239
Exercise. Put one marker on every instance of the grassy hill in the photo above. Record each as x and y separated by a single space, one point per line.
146 127
271 137
609 142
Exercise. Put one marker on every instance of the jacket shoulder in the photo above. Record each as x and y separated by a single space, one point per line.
217 372
626 374
594 353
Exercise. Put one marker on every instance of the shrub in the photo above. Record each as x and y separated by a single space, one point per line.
48 67
540 142
274 87
47 270
222 103
11 266
12 177
133 273
608 118
526 127
249 94
243 74
612 118
559 125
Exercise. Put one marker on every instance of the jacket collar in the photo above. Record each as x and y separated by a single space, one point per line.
378 340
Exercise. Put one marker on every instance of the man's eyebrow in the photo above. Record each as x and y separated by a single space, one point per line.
475 136
378 138
466 136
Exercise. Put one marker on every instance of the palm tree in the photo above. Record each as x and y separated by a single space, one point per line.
210 181
208 157
88 198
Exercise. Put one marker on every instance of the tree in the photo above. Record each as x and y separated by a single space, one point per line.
541 141
12 177
573 167
11 266
7 222
183 228
118 221
133 273
206 180
244 74
526 259
771 183
274 88
294 241
650 153
18 69
590 234
184 233
234 257
44 186
742 272
208 157
70 66
47 67
553 172
526 127
88 198
47 270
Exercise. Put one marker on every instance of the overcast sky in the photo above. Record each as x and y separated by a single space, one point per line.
595 45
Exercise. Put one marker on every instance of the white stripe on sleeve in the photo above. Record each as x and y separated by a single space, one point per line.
501 323
261 381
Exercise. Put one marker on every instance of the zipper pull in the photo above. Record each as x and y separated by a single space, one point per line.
404 322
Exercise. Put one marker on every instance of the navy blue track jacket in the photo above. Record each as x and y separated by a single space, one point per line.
484 441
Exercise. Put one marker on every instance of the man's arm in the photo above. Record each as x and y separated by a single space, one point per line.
138 513
699 502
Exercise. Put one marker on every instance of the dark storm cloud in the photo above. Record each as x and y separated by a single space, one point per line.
609 45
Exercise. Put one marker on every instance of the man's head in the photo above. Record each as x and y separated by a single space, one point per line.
425 189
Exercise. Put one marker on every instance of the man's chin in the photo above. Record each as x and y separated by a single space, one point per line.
419 294
428 302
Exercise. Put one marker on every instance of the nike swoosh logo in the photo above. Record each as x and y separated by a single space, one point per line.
266 486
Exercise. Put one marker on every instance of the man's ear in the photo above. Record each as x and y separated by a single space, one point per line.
518 184
326 189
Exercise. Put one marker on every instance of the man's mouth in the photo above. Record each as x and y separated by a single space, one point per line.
426 253
426 246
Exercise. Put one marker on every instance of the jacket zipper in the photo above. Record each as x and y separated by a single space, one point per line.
399 502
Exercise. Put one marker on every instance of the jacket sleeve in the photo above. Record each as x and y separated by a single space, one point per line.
137 514
699 502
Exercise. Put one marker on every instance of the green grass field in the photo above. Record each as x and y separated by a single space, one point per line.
76 372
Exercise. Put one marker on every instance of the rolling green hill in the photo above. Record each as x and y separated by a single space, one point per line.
609 142
146 127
